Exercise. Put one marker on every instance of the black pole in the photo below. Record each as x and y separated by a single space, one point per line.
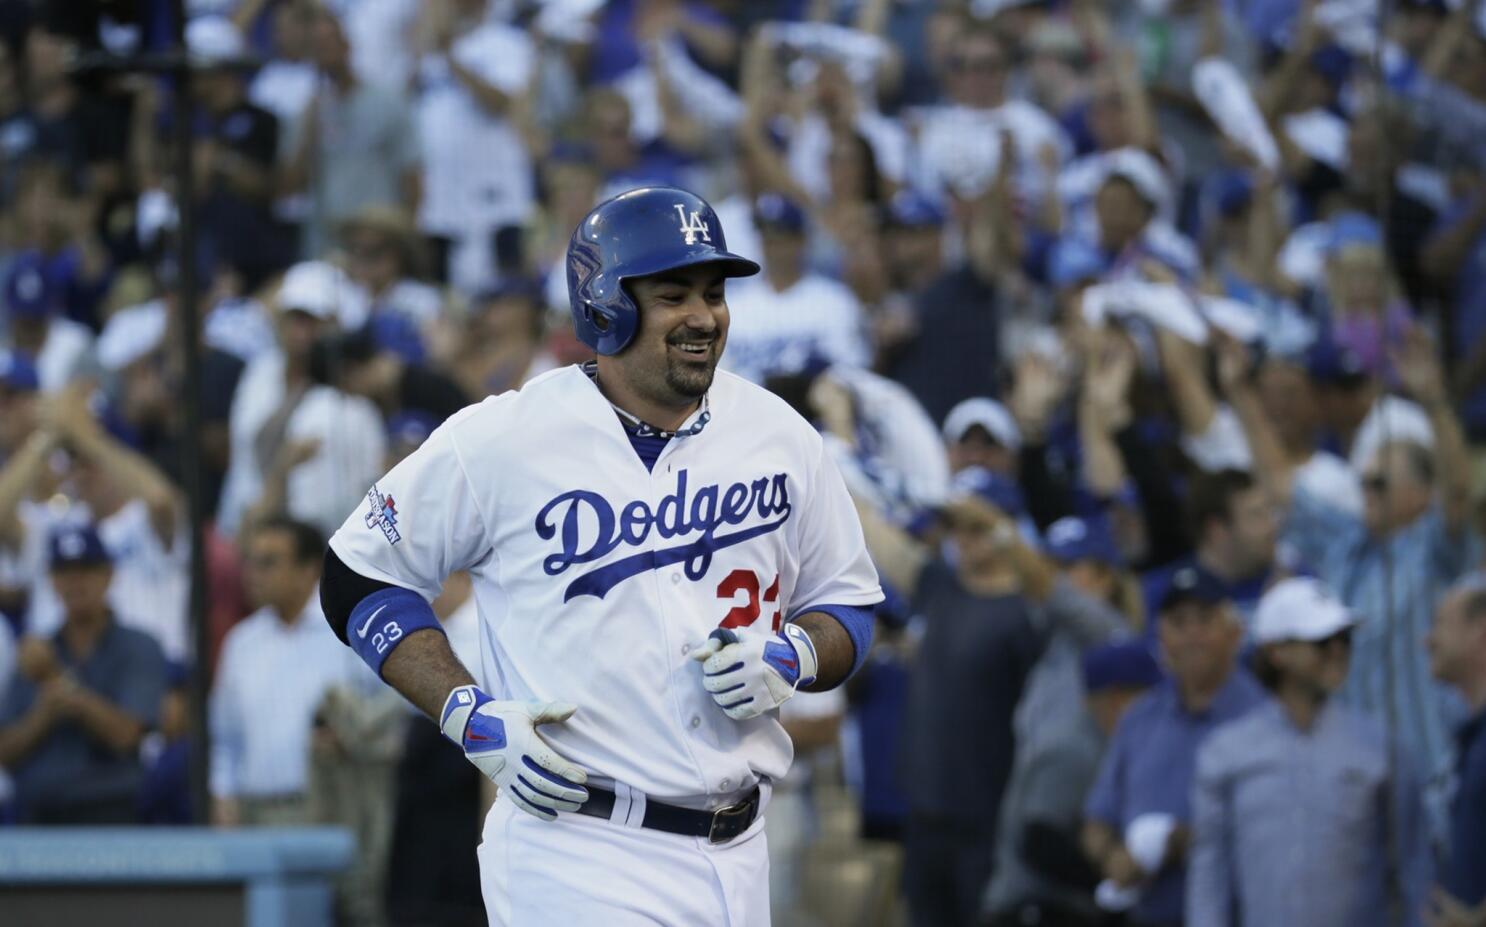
189 332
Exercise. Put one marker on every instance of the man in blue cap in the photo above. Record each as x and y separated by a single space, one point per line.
72 719
57 346
1145 780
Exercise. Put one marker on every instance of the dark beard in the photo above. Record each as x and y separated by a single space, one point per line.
689 380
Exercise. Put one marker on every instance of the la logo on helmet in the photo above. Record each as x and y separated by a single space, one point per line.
692 226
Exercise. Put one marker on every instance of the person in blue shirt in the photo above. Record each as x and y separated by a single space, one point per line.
1147 772
1304 814
73 718
1457 651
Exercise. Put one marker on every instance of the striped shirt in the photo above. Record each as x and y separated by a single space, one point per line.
1393 586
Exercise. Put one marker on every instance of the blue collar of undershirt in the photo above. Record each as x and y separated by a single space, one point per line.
647 440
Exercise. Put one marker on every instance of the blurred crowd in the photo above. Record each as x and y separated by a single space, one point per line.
1150 336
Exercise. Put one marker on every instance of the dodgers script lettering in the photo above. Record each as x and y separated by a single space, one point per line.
680 514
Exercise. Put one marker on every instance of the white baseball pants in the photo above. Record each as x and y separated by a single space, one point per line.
579 870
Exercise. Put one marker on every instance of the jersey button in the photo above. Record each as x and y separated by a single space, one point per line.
675 578
685 649
725 784
696 721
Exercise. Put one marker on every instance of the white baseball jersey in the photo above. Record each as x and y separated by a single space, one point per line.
595 577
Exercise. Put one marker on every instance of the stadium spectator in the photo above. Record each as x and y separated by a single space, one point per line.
385 259
72 719
1414 521
236 152
1234 529
787 314
356 146
1080 589
473 73
1138 815
502 345
1041 876
278 403
1457 649
136 510
979 645
59 347
262 723
358 366
955 353
1303 813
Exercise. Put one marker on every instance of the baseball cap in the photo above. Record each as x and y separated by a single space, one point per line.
911 209
1333 63
778 212
1300 608
316 288
28 292
1353 229
988 414
410 428
130 334
1143 172
1193 584
77 545
1332 363
18 373
1125 664
213 39
1071 539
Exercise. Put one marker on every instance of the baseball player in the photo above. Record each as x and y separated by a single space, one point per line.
662 554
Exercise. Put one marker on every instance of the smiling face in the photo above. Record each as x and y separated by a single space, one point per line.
683 329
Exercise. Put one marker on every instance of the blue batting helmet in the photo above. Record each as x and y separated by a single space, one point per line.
637 234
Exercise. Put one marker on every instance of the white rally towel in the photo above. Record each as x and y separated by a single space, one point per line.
1225 96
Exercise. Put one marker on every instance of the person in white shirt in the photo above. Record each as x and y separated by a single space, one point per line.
277 664
286 84
138 514
277 404
788 315
960 145
477 175
59 347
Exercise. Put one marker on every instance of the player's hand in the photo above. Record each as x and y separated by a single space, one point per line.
748 677
500 738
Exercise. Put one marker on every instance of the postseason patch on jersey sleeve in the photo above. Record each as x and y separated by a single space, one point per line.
382 513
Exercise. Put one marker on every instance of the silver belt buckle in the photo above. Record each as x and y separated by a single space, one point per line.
724 815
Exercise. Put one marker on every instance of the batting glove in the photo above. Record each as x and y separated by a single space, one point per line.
748 677
500 738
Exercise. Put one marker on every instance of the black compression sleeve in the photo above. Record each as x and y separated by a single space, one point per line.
341 590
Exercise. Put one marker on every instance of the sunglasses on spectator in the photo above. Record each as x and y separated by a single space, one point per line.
1375 482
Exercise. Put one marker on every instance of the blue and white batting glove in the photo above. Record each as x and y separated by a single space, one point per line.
500 738
752 675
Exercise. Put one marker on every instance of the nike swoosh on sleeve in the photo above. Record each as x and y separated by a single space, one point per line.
365 625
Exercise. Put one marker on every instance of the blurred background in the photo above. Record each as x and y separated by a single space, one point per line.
1150 336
